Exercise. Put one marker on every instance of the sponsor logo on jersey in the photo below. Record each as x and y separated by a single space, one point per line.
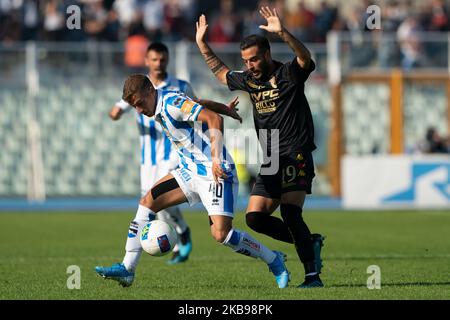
254 85
265 100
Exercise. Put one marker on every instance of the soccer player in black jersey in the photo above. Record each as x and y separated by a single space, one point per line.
277 94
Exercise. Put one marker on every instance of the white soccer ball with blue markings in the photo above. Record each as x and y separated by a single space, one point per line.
158 238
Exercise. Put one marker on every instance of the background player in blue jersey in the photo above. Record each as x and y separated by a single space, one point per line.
207 172
157 155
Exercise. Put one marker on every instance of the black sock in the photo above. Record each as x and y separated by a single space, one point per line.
274 227
185 237
292 217
312 277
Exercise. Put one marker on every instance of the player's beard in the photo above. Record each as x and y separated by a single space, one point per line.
264 71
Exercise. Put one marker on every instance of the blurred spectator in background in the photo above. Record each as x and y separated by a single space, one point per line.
410 44
30 21
135 48
252 20
10 27
225 24
435 143
393 14
54 21
325 18
362 50
174 21
388 50
434 17
165 20
153 19
439 16
126 11
95 19
301 22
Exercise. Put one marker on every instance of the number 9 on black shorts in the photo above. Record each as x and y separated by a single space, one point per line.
295 173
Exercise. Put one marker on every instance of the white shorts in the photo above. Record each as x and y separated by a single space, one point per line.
151 174
218 198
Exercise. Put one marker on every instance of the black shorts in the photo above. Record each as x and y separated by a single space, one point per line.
296 172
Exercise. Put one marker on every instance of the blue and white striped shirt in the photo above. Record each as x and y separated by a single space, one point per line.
178 115
155 145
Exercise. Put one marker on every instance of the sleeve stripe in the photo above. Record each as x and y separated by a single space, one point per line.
198 109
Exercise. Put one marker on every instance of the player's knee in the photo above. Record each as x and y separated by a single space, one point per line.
147 201
291 213
256 220
219 235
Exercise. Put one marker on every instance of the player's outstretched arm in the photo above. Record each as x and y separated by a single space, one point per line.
229 110
274 25
115 113
214 63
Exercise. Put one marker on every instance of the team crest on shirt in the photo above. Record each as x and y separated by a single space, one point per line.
187 106
273 82
254 85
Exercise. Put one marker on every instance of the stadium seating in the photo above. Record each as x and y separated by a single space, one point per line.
427 109
86 154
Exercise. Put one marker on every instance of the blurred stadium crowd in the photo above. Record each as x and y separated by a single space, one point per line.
173 20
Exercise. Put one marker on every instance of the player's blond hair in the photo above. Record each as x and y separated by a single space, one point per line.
135 84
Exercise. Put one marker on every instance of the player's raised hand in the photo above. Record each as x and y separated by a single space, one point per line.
202 26
233 110
273 21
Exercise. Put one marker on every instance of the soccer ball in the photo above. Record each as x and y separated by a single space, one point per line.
158 238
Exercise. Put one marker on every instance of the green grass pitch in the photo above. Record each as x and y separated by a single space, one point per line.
412 249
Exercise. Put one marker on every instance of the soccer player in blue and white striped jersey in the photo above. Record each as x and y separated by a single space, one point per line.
207 173
157 155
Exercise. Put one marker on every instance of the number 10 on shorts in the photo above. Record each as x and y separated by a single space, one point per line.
216 189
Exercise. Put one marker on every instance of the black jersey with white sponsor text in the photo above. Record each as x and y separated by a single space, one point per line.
280 103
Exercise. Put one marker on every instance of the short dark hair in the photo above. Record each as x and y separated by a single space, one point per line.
135 83
255 40
158 47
